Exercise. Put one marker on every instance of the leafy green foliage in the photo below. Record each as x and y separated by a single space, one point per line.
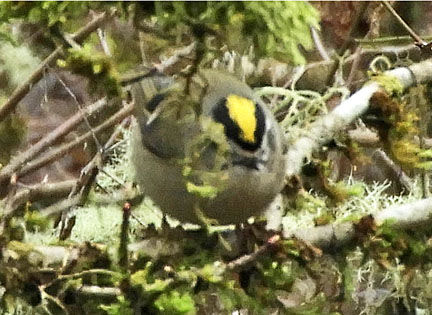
48 13
287 27
273 28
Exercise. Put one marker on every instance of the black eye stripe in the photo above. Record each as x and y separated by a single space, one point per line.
155 101
261 125
220 114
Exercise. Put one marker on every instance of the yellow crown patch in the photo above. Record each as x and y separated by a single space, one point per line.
242 111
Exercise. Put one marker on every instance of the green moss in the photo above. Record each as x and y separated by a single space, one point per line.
12 133
213 272
233 298
309 202
389 83
390 242
278 274
147 284
34 221
121 307
175 303
274 28
96 66
204 191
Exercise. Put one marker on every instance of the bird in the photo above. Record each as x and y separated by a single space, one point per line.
205 147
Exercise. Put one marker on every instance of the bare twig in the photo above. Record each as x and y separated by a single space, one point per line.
64 149
183 52
400 174
88 175
40 191
244 260
176 57
103 41
20 160
76 189
61 205
419 41
22 90
83 184
124 238
80 108
347 42
319 44
83 273
35 192
94 290
53 299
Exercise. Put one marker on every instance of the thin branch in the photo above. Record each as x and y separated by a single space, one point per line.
19 93
319 44
84 182
76 189
345 45
80 109
87 177
411 215
244 260
81 274
163 67
53 299
94 290
103 41
417 38
64 149
18 161
39 191
124 238
176 57
61 205
400 174
407 216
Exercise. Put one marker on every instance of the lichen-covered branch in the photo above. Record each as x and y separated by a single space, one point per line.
324 129
411 215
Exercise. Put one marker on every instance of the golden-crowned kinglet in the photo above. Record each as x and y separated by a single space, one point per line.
205 145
